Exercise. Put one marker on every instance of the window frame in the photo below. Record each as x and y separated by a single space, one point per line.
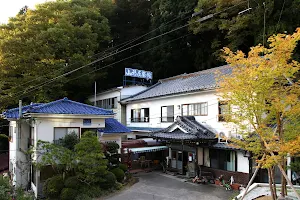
167 117
79 131
194 104
146 119
222 114
228 153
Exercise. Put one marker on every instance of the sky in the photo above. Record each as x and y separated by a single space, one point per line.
9 8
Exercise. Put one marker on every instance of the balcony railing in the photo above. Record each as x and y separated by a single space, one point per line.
57 142
142 119
167 119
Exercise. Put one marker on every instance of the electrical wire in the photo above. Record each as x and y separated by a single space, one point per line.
155 37
119 46
283 4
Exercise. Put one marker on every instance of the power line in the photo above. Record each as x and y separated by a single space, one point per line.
117 46
280 15
264 30
128 58
97 60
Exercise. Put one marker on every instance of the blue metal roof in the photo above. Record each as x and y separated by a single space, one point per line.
62 106
183 83
113 126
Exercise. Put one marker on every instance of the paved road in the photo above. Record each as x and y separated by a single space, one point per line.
156 186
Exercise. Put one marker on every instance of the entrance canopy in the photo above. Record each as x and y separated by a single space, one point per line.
186 129
146 149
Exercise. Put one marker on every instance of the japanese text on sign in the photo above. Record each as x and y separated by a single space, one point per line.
138 73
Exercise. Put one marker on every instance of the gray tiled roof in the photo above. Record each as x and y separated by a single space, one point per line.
193 130
201 80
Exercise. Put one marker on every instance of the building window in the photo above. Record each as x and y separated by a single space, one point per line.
60 133
224 110
87 122
196 109
140 115
222 159
167 114
110 103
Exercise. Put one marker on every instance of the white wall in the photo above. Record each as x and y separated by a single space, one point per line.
155 110
19 163
119 93
131 90
242 162
112 138
44 127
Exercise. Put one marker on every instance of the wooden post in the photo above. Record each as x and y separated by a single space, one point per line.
182 157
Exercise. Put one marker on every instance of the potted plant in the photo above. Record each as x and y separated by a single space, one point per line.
235 186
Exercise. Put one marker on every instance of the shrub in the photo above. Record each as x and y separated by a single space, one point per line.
123 167
53 186
91 191
83 197
119 174
72 182
109 180
70 140
118 186
68 194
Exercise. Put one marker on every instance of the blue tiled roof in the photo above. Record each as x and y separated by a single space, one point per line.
113 126
14 112
62 106
183 83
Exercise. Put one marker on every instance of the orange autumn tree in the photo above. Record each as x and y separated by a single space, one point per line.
263 94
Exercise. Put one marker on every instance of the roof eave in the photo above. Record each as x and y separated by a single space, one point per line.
46 115
168 95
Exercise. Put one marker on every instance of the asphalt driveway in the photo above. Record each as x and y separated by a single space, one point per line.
158 186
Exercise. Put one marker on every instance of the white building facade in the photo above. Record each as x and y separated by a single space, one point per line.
50 122
190 95
110 99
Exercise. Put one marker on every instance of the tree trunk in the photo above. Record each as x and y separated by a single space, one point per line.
288 180
283 181
271 184
252 178
273 180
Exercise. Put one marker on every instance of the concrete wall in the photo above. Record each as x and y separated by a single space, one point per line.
155 111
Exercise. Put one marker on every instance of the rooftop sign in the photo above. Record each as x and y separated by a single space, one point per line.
138 73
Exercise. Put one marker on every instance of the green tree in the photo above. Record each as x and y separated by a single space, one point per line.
92 165
262 95
240 32
60 158
177 57
40 44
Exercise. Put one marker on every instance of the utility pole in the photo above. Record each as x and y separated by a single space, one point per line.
19 125
95 94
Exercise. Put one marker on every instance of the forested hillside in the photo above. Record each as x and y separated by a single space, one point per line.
39 48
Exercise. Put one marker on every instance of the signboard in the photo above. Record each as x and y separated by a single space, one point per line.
138 73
